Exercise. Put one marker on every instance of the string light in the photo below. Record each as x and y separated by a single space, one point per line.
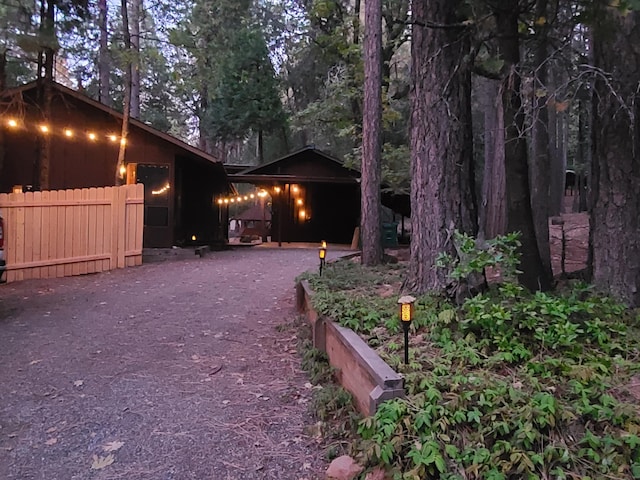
242 198
67 132
161 191
299 201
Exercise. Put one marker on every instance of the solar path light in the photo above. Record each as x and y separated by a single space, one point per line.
322 253
406 315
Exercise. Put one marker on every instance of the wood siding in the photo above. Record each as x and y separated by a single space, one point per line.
72 232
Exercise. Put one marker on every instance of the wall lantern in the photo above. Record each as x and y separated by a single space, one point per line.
406 315
322 253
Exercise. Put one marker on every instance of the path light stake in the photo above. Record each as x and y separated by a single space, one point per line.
406 315
322 253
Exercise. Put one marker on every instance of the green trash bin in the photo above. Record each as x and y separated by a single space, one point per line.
390 234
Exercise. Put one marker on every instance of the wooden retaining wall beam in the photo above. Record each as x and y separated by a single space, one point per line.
360 370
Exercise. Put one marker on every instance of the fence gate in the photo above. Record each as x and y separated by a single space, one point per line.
72 232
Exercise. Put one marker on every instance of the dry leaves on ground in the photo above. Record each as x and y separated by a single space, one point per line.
101 462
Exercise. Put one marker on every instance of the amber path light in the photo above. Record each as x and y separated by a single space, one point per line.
322 254
406 315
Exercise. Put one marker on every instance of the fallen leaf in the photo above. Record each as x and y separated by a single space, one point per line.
51 430
101 462
112 446
51 441
78 383
34 362
226 402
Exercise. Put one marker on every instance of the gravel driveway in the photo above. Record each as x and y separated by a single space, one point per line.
184 368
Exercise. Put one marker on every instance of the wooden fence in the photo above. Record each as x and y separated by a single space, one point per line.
72 232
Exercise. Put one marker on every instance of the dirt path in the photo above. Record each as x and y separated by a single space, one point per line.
173 370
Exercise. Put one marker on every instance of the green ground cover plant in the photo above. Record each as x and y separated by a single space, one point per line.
508 385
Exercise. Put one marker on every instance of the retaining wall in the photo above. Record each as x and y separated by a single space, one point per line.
359 368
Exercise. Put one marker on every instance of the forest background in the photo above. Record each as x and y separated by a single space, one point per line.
475 108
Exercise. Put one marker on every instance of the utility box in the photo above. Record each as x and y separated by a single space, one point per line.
390 234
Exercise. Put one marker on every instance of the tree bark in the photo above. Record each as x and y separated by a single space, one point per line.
519 214
541 162
356 22
493 211
615 214
370 228
46 87
136 10
442 193
103 55
119 178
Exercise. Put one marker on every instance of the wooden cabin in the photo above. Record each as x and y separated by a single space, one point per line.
83 138
314 196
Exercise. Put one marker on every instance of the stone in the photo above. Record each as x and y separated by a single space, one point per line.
343 468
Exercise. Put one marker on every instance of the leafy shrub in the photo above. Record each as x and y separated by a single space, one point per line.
509 385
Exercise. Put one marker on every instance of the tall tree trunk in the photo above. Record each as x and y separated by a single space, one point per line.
493 212
615 214
519 214
103 55
3 86
370 210
136 10
556 203
356 22
46 87
584 156
119 177
442 193
260 147
541 162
